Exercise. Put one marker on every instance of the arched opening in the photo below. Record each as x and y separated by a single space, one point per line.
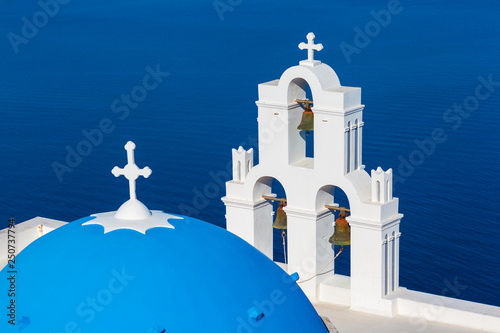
343 262
279 251
377 190
309 138
301 146
269 186
332 196
298 89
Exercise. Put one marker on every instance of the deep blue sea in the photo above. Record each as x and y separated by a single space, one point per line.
424 67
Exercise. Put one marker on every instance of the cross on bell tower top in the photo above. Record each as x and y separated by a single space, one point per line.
311 47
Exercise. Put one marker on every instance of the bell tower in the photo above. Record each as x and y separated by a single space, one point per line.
310 182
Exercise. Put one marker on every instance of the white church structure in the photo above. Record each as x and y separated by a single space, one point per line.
309 183
139 270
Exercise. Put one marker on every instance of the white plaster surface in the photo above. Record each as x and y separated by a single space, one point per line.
447 310
348 321
26 232
110 222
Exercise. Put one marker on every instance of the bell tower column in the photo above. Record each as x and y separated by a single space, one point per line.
375 248
309 251
252 222
374 263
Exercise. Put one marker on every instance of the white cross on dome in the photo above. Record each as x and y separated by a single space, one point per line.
131 171
132 214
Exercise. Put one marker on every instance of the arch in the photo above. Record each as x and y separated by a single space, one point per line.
325 196
264 186
297 89
328 195
320 78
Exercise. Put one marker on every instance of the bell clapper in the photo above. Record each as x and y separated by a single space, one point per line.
340 251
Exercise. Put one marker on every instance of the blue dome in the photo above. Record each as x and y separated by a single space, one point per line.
194 278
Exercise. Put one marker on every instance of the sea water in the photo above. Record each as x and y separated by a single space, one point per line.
69 68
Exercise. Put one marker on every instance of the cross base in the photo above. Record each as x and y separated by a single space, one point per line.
310 63
133 209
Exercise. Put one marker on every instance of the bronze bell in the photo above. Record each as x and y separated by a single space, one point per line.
280 222
342 234
307 122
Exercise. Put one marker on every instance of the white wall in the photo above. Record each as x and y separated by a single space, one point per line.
25 233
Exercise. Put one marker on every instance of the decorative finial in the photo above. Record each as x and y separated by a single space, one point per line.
131 171
310 46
